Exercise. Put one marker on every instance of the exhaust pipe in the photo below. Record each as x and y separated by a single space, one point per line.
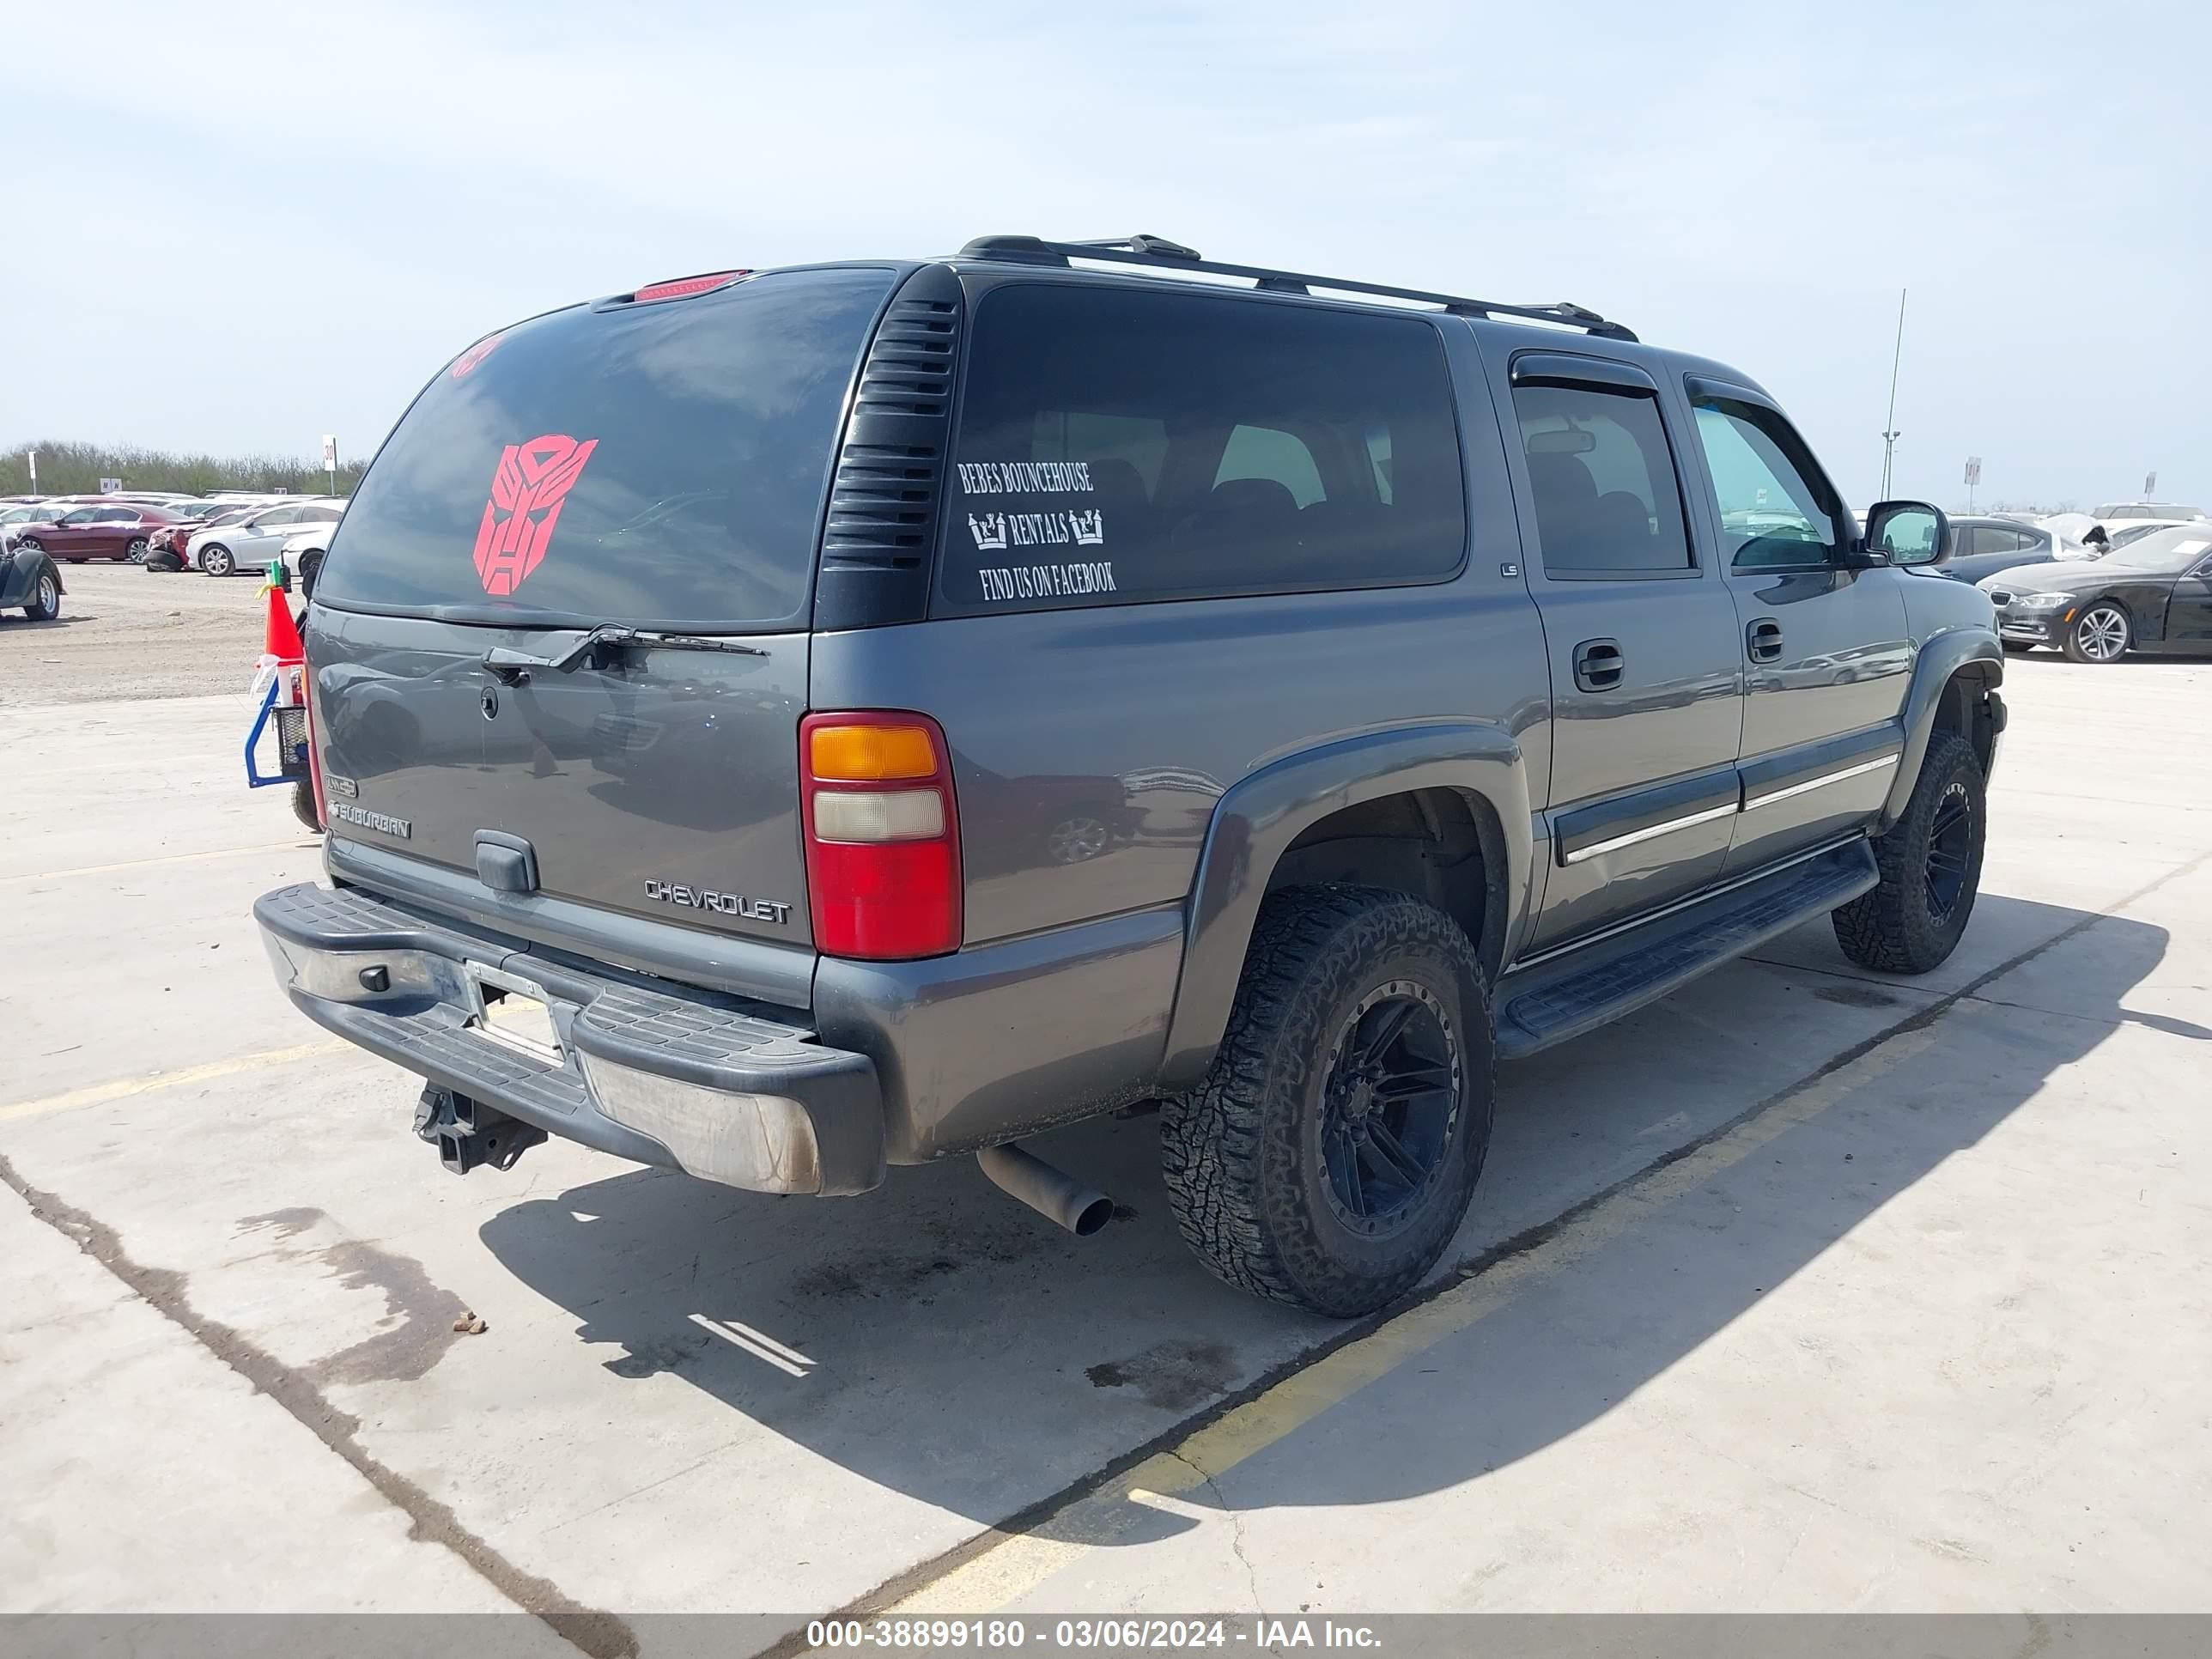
1052 1194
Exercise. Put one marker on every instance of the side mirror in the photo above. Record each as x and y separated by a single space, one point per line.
1909 532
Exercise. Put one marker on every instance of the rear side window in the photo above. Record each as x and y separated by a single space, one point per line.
661 466
1117 446
1603 481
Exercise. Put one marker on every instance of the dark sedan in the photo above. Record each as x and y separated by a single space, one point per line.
1984 546
2154 595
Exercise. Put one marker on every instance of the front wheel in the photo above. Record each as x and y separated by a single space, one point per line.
1931 869
2101 634
46 599
217 561
1330 1155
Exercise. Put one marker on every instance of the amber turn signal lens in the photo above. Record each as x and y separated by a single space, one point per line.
871 754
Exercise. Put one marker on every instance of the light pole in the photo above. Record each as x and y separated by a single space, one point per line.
1890 435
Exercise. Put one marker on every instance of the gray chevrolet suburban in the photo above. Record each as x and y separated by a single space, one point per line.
781 725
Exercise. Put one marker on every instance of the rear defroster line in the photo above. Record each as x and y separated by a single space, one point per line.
601 1635
994 1568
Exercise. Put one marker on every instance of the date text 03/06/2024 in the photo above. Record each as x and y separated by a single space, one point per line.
1258 1634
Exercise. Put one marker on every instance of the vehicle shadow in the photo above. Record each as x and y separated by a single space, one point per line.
2054 657
942 1341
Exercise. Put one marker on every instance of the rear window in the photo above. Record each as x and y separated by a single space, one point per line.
1118 445
661 466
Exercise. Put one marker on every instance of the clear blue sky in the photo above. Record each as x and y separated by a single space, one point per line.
238 226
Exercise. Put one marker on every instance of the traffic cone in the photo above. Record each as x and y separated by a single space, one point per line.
279 638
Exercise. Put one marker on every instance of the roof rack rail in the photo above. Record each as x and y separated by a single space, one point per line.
1161 254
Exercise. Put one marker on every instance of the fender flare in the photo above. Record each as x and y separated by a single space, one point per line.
1259 817
20 580
1972 651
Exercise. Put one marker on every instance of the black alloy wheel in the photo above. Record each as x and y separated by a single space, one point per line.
1389 1105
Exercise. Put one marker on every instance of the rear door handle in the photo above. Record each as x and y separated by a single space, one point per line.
1763 639
1599 665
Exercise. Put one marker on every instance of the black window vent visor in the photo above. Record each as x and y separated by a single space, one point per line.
883 501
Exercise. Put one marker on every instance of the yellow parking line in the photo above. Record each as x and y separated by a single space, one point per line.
124 1087
1001 1567
169 858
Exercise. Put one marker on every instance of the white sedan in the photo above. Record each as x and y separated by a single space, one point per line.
257 542
302 554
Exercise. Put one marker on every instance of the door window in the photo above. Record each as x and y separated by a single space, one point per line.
1602 477
1777 510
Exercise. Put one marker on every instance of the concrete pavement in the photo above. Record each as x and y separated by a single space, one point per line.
1873 1341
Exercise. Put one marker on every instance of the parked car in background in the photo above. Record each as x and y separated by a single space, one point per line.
117 531
2079 535
25 512
165 548
2112 510
1981 547
256 540
2154 595
2120 534
303 555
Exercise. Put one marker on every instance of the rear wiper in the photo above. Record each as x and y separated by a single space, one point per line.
513 667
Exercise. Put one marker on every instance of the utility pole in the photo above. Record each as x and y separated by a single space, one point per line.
1890 435
33 456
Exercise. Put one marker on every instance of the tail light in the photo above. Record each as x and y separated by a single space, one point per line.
883 836
314 749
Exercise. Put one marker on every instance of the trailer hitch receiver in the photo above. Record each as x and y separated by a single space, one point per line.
468 1133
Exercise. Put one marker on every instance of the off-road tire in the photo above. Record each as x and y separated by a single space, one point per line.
303 804
1241 1153
1894 928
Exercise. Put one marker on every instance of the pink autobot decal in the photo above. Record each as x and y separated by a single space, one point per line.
527 488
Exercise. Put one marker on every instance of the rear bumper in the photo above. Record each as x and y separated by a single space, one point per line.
694 1081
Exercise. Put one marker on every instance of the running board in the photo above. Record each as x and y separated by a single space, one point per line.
1566 995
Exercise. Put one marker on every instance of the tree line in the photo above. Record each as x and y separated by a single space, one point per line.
69 469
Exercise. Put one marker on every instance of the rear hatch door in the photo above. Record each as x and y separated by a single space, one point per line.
659 467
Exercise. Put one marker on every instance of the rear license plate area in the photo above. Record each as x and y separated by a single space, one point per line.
515 1013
